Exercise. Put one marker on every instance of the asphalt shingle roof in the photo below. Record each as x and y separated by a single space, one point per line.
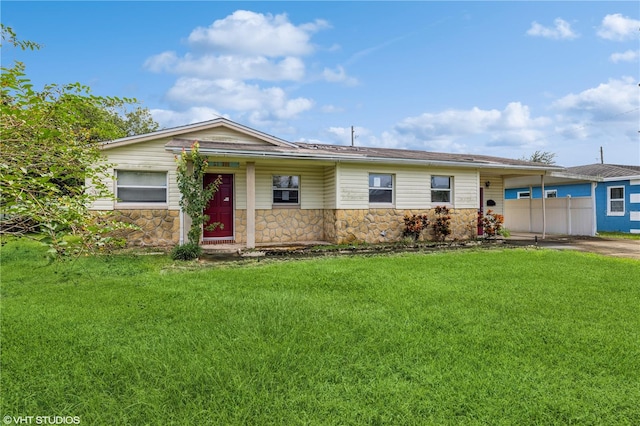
605 170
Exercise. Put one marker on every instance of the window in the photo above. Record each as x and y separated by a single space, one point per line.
524 194
286 190
380 188
615 201
550 193
141 187
441 189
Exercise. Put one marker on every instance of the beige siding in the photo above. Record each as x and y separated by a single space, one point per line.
145 156
494 192
330 186
466 188
311 183
221 134
411 187
353 187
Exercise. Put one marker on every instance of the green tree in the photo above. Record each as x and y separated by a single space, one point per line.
541 157
46 157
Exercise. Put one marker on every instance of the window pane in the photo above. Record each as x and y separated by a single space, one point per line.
380 196
440 182
617 193
143 195
380 181
617 206
285 197
142 178
441 196
286 181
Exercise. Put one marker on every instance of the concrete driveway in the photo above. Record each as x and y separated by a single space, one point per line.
616 247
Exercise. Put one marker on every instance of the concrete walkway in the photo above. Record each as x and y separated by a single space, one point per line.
616 247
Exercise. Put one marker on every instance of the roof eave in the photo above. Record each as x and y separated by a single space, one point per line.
366 159
175 131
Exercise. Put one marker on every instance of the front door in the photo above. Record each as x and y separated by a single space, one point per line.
220 208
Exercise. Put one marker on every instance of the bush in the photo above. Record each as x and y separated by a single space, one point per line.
492 224
414 225
442 223
187 251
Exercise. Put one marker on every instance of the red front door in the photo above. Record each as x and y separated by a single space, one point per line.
220 209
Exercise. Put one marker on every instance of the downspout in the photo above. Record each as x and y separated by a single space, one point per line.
544 209
569 214
594 227
530 208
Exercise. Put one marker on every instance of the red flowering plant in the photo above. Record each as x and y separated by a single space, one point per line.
492 224
442 223
414 225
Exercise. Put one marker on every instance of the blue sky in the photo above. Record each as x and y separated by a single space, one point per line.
494 78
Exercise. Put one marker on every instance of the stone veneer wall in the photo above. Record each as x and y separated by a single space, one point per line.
240 231
386 225
289 225
157 227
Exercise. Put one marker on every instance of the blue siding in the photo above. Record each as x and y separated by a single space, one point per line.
616 223
573 189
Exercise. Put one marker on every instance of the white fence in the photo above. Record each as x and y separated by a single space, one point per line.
566 216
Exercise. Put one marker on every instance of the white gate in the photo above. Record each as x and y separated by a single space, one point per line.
565 216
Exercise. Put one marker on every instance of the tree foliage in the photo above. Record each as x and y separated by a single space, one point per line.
48 153
195 196
541 157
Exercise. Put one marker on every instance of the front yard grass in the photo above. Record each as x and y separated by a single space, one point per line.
469 337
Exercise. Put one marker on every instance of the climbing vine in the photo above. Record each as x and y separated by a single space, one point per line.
195 196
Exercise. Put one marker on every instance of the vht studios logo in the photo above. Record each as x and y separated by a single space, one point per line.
41 420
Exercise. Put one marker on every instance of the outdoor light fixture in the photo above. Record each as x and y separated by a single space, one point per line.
487 184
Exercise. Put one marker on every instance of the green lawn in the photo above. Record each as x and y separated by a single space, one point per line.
622 235
513 337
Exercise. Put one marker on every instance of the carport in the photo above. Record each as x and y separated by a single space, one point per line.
539 210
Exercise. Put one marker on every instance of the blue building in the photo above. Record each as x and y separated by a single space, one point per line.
616 189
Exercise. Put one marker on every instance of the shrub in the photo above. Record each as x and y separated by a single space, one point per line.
414 225
492 224
187 251
442 223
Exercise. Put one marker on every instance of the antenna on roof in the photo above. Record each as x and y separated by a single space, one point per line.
353 136
601 156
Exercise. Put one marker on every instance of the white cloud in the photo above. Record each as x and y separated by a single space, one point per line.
611 100
227 94
628 56
249 33
338 76
448 130
164 61
229 61
169 118
229 66
561 30
618 28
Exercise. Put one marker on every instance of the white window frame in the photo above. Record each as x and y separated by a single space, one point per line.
134 203
275 188
610 200
449 190
524 195
550 193
391 189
